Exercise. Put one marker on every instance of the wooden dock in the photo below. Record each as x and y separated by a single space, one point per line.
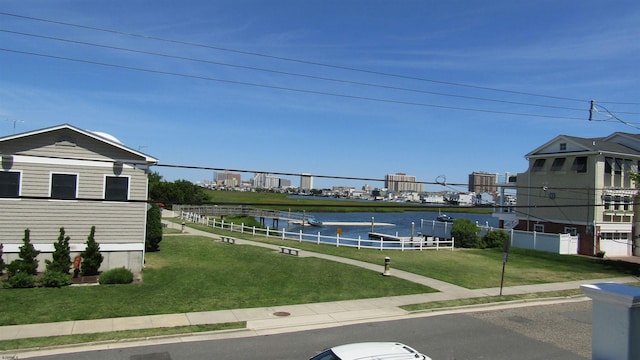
389 237
354 223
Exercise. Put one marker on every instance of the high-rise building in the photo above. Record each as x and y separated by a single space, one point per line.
401 182
483 182
306 182
227 178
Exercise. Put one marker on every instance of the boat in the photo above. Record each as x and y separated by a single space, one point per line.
314 222
444 218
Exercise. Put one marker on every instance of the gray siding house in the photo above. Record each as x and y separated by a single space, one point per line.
63 176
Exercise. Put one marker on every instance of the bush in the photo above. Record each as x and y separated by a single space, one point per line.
2 264
55 279
465 233
493 239
154 228
22 280
91 256
61 255
116 276
28 262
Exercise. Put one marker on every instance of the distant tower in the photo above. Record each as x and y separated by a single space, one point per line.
483 182
400 182
306 182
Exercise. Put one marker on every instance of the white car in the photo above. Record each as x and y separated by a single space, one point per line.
371 351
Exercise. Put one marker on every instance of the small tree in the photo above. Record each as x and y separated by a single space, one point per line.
465 233
493 239
2 264
154 228
61 255
28 262
91 256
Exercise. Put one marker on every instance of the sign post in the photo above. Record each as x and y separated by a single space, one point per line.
505 255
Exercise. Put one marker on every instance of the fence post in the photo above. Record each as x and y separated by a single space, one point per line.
300 237
242 228
267 231
318 237
337 240
359 238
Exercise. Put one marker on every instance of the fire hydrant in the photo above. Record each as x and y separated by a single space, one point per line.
387 266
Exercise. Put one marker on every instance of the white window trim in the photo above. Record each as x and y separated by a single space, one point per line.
104 186
538 227
19 185
63 173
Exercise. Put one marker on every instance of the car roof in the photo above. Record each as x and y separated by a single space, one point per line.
376 350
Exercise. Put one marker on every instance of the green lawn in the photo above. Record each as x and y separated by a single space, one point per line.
474 268
197 274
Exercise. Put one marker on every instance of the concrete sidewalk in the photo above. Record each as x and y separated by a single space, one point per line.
286 318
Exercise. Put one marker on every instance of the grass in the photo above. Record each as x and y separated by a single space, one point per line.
31 343
197 274
490 299
474 268
193 274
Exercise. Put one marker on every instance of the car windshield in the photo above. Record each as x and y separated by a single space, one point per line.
326 355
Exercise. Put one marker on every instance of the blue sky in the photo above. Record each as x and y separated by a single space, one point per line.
336 88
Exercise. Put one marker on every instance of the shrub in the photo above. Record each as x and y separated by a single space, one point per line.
465 233
61 255
56 279
22 280
116 276
493 239
28 262
91 256
154 228
2 264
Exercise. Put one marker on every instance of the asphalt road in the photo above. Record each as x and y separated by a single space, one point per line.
560 331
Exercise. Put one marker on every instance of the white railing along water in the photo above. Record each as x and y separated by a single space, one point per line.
416 243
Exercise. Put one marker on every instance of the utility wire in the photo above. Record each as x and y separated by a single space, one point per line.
289 88
155 38
292 74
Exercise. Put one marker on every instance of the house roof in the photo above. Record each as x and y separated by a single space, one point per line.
99 136
616 143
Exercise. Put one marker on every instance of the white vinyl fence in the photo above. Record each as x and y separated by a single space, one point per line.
556 243
417 243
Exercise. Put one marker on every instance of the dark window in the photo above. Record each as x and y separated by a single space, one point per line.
580 164
608 165
9 184
63 186
538 165
563 146
618 166
116 188
558 164
607 202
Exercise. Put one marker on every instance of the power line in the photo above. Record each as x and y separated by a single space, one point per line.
289 88
289 73
282 58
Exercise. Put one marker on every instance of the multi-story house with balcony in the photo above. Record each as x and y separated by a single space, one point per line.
582 186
